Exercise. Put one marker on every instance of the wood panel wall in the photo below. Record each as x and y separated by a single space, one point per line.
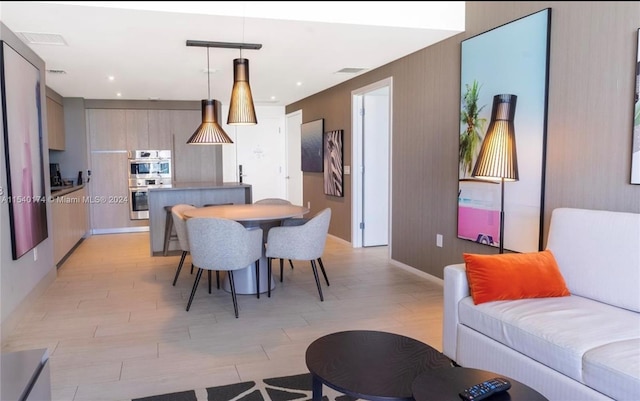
592 73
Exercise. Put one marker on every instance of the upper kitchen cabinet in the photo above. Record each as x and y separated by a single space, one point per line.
193 163
55 121
160 130
137 129
107 129
118 129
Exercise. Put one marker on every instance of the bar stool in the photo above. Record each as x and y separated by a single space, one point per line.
169 233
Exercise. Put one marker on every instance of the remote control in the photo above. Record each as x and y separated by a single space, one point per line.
483 390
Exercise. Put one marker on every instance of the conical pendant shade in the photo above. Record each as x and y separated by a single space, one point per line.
241 109
209 132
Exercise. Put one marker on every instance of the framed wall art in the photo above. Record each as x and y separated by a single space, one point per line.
25 192
635 154
333 163
311 142
498 67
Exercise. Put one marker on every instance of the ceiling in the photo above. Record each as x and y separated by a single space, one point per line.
142 45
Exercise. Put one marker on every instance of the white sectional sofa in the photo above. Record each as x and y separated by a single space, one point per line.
585 346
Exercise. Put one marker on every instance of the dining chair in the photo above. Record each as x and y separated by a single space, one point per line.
222 244
268 226
301 242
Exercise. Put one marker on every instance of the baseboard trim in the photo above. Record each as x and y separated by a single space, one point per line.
417 272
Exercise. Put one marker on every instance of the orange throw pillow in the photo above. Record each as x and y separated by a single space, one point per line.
514 276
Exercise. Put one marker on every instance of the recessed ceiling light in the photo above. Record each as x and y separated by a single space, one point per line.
210 70
273 98
111 77
299 83
119 94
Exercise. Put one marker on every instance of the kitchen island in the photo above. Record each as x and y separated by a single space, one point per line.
197 194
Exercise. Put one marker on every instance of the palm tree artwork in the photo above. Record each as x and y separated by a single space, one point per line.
471 137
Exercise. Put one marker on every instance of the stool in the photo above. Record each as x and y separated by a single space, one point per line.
169 232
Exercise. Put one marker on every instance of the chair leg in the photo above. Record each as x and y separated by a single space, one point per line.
218 279
209 274
233 293
175 279
258 278
195 287
281 269
290 263
191 268
323 272
269 276
315 274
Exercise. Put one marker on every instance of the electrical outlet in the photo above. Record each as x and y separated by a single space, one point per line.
347 170
35 254
309 205
439 240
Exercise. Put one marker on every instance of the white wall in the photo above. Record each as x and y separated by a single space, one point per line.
22 280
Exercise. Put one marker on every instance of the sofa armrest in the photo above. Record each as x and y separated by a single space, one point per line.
456 287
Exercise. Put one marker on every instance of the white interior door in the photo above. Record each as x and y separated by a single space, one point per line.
293 169
371 159
376 168
259 149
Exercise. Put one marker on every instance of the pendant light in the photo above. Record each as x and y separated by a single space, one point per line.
209 132
241 108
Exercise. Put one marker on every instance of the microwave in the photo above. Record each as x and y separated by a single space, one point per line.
151 164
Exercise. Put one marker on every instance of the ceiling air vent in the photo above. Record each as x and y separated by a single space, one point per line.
35 38
58 72
350 70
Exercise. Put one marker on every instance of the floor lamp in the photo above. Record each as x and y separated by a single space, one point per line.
498 158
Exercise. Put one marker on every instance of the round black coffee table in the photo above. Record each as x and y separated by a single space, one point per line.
370 365
445 384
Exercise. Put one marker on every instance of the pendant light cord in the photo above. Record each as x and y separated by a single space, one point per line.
208 76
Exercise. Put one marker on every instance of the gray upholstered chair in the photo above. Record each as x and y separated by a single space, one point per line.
301 242
221 244
268 226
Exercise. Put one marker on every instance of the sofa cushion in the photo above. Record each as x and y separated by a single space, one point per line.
614 369
598 253
514 276
554 331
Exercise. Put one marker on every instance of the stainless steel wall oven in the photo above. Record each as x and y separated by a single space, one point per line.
147 169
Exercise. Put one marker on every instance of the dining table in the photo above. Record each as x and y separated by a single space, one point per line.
250 215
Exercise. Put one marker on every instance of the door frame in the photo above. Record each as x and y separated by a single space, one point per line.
287 167
357 158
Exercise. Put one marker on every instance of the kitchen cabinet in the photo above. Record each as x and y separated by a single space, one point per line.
160 130
137 129
109 202
107 129
55 124
193 163
70 219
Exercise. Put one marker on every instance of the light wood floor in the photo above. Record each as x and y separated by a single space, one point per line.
116 328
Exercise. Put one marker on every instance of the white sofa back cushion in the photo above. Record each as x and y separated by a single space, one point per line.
597 246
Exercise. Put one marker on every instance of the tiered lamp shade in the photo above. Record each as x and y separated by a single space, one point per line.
209 132
241 109
498 158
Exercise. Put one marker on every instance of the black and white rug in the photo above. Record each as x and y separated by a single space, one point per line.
286 388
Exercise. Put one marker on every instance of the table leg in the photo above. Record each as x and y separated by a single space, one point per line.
245 279
317 389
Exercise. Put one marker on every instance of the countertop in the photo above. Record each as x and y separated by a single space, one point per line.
64 190
200 185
